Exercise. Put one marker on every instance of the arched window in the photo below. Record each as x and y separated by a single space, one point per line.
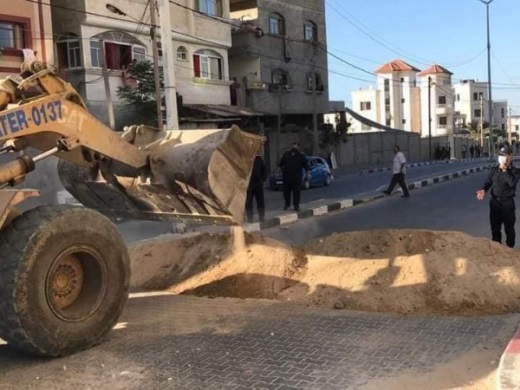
276 24
69 51
120 50
310 31
207 64
182 54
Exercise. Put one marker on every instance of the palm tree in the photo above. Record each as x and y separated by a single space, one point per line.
474 128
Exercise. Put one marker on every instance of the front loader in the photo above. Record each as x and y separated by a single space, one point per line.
64 271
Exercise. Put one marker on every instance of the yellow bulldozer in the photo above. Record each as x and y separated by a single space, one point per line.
64 270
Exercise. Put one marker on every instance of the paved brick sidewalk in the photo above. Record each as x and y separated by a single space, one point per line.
170 342
510 365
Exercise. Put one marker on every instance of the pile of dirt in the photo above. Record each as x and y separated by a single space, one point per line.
401 271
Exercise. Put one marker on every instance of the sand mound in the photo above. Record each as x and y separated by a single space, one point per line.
401 271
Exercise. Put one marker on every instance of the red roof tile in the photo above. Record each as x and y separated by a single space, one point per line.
396 66
435 69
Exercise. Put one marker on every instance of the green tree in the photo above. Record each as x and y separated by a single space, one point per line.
474 128
331 137
141 96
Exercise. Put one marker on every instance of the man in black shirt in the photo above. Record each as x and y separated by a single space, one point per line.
502 181
256 190
292 164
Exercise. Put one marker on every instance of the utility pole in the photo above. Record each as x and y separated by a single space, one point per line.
108 95
491 145
509 130
481 120
155 52
430 118
315 140
170 91
279 121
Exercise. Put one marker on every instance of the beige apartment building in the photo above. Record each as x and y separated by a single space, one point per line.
25 31
199 32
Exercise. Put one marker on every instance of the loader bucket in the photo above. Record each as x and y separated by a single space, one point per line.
197 176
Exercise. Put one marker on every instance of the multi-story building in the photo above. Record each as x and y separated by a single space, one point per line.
25 32
283 65
201 40
395 102
406 98
436 89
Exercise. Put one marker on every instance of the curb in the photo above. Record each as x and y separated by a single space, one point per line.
344 204
420 164
509 367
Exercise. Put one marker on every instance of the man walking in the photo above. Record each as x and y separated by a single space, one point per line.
256 190
502 181
399 172
292 164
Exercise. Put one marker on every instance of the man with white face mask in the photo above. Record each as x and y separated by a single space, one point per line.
502 181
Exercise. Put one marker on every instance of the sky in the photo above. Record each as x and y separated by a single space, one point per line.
451 33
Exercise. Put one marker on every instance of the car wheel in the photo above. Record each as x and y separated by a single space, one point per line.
328 180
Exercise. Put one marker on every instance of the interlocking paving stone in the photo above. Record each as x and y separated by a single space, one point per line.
172 342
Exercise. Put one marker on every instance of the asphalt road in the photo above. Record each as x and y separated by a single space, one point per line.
447 206
343 187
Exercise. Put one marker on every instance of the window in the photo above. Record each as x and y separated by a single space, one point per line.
387 85
503 127
503 112
442 100
443 121
207 64
12 35
279 77
403 100
120 50
95 54
316 83
458 97
476 112
366 106
404 121
402 79
210 7
388 122
182 54
475 96
69 51
310 31
387 101
517 127
276 24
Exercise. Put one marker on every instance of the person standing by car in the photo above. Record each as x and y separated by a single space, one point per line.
255 190
292 163
399 172
502 181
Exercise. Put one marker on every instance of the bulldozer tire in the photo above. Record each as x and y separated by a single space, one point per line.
64 278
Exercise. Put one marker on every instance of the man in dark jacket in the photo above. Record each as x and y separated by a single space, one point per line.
502 181
292 164
256 190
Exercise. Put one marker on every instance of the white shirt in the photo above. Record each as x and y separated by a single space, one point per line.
399 159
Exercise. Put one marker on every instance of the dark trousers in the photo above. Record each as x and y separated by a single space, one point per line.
255 192
292 186
503 212
398 178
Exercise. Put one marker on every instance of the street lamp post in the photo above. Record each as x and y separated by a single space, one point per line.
430 118
491 145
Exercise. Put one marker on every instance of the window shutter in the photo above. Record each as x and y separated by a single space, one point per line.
196 65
